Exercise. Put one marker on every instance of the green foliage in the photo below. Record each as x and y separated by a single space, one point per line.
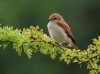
33 39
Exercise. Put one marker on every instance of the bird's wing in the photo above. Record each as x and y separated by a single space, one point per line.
66 27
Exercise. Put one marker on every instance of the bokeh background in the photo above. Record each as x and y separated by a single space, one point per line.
83 16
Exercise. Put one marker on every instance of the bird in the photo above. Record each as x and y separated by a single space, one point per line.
60 31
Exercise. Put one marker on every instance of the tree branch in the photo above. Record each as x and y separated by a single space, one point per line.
33 39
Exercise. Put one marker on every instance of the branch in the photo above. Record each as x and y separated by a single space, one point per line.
33 40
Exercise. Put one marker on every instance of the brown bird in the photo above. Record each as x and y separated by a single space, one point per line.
60 30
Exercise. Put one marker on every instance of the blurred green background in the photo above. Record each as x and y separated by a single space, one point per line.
83 16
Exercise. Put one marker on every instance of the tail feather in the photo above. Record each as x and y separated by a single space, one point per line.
75 46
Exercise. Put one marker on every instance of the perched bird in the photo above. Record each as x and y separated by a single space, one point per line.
60 31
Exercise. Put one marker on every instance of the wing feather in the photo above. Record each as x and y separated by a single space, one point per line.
66 27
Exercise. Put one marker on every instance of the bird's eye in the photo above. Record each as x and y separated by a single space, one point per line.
55 18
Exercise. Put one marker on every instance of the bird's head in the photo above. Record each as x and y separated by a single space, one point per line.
55 17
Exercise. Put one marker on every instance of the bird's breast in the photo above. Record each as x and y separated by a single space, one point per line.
57 32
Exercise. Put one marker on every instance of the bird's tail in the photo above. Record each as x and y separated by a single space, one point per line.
75 46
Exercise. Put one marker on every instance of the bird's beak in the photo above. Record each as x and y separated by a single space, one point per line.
50 19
